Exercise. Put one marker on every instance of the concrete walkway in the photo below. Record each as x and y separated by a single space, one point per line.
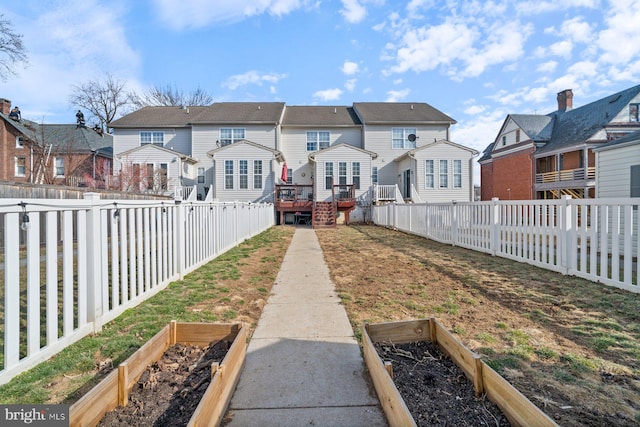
304 366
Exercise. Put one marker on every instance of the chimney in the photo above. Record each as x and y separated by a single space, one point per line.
5 106
565 100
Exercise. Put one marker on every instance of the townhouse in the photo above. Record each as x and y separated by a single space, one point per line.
547 156
321 163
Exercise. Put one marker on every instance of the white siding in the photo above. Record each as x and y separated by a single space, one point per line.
237 152
623 115
342 154
378 139
613 170
510 134
204 140
174 139
294 148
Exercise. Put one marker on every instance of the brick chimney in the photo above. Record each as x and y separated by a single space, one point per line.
5 106
565 100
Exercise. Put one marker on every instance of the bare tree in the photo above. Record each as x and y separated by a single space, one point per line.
105 99
169 96
12 50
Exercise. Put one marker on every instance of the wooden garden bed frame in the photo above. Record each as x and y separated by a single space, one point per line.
114 390
514 405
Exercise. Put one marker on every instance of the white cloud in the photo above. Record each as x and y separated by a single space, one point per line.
350 84
252 77
562 48
349 68
397 95
397 81
328 94
578 30
353 11
547 67
618 40
540 7
183 14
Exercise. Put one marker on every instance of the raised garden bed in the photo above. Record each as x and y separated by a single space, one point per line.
181 338
518 410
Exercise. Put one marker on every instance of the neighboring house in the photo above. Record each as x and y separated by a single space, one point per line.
618 167
307 158
547 156
64 154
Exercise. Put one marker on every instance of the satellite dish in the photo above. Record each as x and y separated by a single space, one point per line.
412 137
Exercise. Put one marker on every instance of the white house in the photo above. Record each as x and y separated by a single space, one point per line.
618 167
304 158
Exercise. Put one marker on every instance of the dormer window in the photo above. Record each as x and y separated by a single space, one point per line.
633 112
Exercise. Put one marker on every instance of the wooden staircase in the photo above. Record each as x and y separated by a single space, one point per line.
324 215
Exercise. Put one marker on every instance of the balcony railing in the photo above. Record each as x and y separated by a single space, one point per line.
567 175
344 192
387 193
294 193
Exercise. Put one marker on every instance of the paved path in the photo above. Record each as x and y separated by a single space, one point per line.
303 365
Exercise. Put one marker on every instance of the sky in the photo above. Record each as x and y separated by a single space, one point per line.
476 61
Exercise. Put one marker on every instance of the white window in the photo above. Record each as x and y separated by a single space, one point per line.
342 173
59 165
444 174
317 140
457 174
504 140
228 174
164 175
429 178
152 137
634 111
257 174
400 138
243 170
328 175
200 175
19 142
289 176
230 136
374 175
21 166
355 175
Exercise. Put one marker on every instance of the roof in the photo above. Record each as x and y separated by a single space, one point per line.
473 152
537 127
277 154
320 116
241 113
579 125
486 154
312 156
632 138
65 137
168 151
400 113
158 117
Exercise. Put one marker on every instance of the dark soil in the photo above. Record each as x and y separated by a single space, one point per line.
435 389
169 391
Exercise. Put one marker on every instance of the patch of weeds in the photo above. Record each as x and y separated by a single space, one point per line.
604 324
230 314
487 351
451 307
523 351
500 363
262 290
223 289
438 309
225 299
459 330
502 325
518 337
579 364
563 376
412 305
345 296
603 343
538 315
486 338
546 353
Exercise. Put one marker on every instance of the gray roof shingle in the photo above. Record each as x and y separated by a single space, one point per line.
241 113
321 116
149 117
400 113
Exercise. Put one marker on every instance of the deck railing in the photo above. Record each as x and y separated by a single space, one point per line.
596 239
386 193
99 258
567 175
294 192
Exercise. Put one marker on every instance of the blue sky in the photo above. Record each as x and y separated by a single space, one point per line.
474 60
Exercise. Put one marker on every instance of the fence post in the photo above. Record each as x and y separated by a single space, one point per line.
494 231
180 238
94 235
454 223
566 234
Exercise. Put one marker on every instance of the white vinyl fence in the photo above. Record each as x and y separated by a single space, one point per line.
69 266
596 239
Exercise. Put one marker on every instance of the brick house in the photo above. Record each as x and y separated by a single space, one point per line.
547 156
62 154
